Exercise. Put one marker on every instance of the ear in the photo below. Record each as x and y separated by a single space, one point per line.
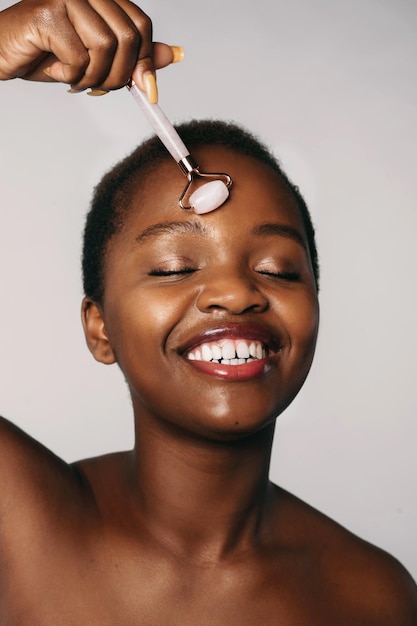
95 332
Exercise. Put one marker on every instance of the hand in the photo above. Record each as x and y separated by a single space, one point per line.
94 43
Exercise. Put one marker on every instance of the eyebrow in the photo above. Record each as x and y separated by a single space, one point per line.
281 230
172 228
267 229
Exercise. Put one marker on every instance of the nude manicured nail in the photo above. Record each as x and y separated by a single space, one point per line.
150 87
177 54
97 92
47 71
74 90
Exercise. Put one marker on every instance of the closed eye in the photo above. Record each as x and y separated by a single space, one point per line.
172 272
290 276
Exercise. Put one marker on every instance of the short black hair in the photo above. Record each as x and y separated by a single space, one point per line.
112 196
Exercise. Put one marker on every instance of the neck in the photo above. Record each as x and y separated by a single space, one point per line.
198 496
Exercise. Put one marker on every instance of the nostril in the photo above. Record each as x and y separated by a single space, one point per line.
234 296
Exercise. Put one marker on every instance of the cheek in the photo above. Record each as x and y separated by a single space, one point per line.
308 321
138 330
301 318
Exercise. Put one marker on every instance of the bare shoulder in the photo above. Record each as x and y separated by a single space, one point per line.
36 482
32 478
358 582
20 452
375 583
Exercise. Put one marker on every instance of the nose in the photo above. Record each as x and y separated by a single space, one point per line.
231 292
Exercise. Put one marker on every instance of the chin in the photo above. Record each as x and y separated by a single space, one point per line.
226 424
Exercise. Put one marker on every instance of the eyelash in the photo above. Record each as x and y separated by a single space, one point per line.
290 276
162 272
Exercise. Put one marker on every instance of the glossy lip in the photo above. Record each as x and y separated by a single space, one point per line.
234 373
245 371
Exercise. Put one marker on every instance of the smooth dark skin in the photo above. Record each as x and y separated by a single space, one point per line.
186 528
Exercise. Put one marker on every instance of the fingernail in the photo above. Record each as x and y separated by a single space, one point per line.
74 90
177 54
47 71
150 87
97 92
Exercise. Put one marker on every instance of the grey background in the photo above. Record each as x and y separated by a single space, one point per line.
331 86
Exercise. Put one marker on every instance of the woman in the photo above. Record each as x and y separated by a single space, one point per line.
186 528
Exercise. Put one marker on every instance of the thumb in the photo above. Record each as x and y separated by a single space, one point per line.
144 72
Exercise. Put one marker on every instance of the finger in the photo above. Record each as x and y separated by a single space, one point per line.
117 36
152 55
114 53
42 70
98 38
164 55
144 62
28 39
69 40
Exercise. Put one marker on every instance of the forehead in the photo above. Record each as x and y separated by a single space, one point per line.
258 194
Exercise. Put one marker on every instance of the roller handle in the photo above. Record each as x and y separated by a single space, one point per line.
161 124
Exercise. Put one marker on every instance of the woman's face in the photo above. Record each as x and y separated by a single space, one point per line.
213 319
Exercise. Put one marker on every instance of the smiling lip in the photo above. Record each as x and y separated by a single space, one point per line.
233 373
258 344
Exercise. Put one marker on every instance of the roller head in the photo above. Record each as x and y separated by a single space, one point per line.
209 197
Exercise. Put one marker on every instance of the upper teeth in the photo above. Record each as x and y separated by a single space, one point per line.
228 351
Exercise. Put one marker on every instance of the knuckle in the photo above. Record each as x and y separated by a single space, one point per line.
130 38
106 42
75 69
145 25
79 61
145 21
